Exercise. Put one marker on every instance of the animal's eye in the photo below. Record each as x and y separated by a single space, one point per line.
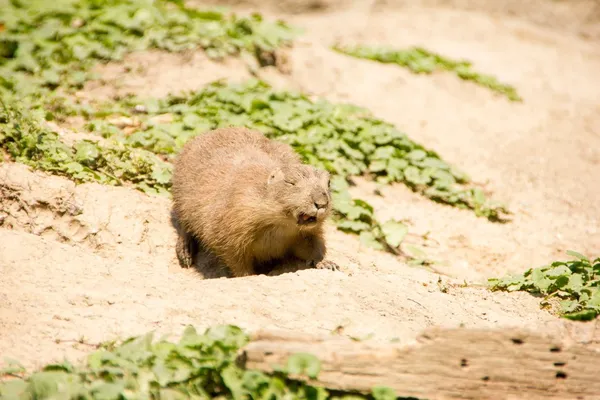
290 183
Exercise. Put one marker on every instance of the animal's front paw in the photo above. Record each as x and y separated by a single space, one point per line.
327 264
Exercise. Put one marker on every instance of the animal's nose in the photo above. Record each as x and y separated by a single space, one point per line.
321 203
320 199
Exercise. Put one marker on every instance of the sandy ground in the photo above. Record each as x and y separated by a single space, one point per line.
83 264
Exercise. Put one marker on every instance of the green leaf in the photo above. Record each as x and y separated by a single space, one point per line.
14 389
161 173
364 205
575 283
368 239
577 255
561 281
394 232
46 384
229 336
540 281
163 374
478 196
384 393
416 155
190 336
12 367
412 174
353 226
51 76
378 166
583 315
568 306
383 153
436 163
304 363
558 271
190 120
171 394
65 366
415 252
108 391
86 151
232 377
594 300
397 164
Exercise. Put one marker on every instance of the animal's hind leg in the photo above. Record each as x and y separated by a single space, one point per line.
187 247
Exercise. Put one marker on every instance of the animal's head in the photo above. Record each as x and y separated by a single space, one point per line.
302 192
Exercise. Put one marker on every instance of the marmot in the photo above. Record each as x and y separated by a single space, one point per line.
250 201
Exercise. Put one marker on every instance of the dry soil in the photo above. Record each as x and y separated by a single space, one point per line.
88 263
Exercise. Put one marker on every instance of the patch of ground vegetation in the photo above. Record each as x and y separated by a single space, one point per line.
341 138
47 50
198 366
110 162
575 283
46 44
421 61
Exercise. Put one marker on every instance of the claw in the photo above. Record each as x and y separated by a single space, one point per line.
326 264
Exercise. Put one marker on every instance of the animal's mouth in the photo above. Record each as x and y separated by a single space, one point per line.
305 219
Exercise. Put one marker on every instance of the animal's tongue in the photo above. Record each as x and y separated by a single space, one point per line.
306 217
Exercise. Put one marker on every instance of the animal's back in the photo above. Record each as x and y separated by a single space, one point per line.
223 149
211 165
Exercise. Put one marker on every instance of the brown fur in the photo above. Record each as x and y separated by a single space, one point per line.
241 196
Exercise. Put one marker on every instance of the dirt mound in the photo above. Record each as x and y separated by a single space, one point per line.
84 264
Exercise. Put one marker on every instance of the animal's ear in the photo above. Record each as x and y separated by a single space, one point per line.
275 176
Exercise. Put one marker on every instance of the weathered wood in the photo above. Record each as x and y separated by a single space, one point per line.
456 363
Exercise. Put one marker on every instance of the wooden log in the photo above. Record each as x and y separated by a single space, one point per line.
455 363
